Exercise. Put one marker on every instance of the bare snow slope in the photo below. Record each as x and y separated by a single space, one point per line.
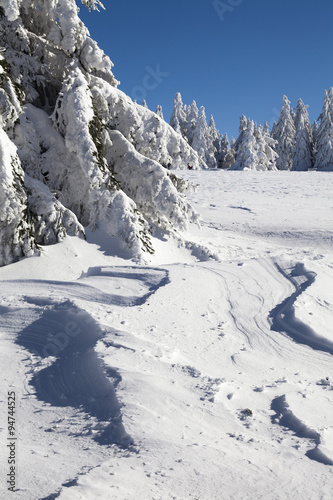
182 379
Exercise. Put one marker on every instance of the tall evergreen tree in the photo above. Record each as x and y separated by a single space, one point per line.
176 126
273 131
159 112
243 125
192 114
314 130
266 149
215 143
302 152
324 157
228 153
255 148
201 143
284 134
245 146
225 146
178 116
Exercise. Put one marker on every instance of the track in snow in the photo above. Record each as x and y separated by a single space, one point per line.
97 285
282 317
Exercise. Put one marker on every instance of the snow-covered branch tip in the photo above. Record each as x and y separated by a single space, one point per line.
93 4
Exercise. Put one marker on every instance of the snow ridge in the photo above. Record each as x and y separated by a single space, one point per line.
286 418
282 317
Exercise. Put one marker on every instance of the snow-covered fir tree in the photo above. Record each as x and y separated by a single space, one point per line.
178 116
314 131
159 112
324 136
74 150
202 142
255 148
224 147
204 139
284 134
302 152
216 145
228 152
266 154
192 114
243 125
245 146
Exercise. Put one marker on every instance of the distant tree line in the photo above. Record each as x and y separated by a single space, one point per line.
292 144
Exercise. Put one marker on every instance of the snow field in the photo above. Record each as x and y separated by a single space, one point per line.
178 356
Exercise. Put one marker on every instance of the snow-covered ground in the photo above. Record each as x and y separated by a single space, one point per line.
183 378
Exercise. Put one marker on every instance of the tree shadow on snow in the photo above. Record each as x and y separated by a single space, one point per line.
76 378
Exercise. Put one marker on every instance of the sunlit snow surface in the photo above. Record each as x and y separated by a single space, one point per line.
180 379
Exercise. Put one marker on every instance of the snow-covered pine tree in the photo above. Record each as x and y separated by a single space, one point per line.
254 148
284 134
243 124
314 131
72 146
245 146
266 155
191 119
24 203
201 141
324 139
228 153
200 134
224 146
216 145
15 224
204 139
302 152
159 112
178 116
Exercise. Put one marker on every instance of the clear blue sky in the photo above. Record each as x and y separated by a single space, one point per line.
232 56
